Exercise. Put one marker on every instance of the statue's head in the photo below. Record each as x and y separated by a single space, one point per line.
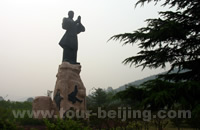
71 14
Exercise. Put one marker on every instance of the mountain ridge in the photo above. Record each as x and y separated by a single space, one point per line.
140 81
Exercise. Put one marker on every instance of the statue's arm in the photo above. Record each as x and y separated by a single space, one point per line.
80 28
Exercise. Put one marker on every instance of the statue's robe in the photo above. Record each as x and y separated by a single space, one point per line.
69 41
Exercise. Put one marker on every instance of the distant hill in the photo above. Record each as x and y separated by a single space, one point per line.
138 82
23 99
1 98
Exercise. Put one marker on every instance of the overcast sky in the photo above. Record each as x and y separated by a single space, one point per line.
30 31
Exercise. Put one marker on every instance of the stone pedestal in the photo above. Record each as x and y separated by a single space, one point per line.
69 92
42 105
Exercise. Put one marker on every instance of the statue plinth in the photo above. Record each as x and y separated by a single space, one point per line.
69 91
42 104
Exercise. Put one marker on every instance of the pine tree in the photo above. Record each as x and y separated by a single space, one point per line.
172 38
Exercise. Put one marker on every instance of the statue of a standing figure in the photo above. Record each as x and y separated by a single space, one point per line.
69 41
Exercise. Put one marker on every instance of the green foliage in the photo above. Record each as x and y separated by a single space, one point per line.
29 121
131 95
194 121
134 125
173 38
5 113
154 94
107 101
6 108
187 94
67 124
16 105
102 98
7 125
99 97
159 94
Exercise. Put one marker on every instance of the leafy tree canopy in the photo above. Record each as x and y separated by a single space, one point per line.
173 38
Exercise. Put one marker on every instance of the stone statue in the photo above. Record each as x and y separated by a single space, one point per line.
69 41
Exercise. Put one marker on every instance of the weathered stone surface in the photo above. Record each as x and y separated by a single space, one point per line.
69 90
42 104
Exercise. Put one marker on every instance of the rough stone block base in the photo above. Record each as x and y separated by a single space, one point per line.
69 91
43 107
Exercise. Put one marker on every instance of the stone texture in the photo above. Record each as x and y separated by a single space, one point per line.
67 78
43 103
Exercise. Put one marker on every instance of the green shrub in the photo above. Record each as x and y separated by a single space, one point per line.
7 125
67 124
135 125
29 121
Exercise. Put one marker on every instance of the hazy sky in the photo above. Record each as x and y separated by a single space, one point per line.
31 29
